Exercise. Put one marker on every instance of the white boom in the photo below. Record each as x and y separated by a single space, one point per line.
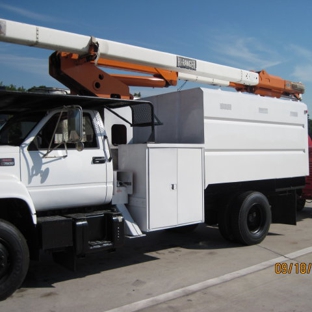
187 68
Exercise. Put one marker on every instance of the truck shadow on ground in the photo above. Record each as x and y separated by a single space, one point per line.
46 273
306 213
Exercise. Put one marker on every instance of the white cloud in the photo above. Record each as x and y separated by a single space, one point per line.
302 57
244 52
26 71
303 72
27 64
26 13
301 52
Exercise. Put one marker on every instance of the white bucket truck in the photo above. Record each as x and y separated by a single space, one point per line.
78 173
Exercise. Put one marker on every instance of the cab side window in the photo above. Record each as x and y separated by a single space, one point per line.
119 134
51 135
89 137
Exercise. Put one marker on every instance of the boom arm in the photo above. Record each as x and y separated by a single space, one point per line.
83 77
82 53
272 86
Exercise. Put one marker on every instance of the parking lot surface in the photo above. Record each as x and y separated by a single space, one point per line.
167 271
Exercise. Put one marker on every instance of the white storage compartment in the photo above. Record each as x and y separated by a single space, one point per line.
168 184
247 137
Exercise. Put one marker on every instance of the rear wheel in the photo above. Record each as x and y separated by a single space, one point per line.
14 259
251 218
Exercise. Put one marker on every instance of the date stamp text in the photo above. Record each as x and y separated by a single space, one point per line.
297 268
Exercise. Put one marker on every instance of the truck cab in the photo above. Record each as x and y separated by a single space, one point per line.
49 164
57 190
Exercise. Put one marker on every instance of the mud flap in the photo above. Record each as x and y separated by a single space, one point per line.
284 208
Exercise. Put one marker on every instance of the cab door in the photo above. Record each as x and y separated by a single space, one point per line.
58 175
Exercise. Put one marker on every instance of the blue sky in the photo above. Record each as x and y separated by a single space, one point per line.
274 35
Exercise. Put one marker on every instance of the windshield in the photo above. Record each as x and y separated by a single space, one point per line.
18 127
3 119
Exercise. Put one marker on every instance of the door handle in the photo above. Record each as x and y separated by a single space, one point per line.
98 160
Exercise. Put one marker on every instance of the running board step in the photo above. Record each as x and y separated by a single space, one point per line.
95 245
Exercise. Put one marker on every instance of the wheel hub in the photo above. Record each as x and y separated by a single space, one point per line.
254 219
4 260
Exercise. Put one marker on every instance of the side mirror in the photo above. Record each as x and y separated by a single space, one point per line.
74 125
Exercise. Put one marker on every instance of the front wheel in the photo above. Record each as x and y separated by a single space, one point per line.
14 259
251 218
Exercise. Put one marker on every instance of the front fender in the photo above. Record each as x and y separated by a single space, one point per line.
11 187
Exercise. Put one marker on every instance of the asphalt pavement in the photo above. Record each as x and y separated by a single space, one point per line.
166 271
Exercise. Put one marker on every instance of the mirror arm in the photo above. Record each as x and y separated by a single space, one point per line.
79 144
52 149
52 137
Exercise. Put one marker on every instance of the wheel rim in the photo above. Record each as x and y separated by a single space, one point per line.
255 219
4 260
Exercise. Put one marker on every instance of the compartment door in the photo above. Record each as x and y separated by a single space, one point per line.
163 197
190 186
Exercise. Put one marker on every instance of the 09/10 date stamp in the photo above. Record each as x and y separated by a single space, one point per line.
297 268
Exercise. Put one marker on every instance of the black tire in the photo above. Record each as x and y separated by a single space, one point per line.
14 259
251 218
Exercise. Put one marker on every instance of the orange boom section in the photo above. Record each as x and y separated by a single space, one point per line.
82 75
272 86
